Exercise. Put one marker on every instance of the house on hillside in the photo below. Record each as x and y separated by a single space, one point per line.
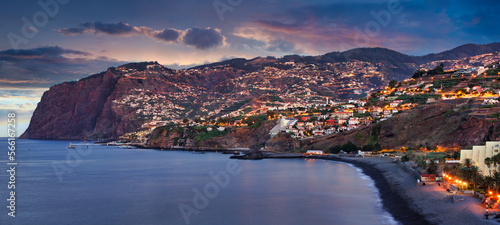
330 130
489 101
341 115
353 121
348 106
330 122
387 113
318 132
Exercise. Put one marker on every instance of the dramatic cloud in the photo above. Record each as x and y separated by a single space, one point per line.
46 66
197 37
322 28
307 37
167 35
203 38
110 28
54 53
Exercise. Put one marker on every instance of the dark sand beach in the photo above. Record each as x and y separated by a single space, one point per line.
410 203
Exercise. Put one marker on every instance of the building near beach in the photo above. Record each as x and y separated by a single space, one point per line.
314 152
478 153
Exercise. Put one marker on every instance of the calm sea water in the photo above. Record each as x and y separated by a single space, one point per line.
115 185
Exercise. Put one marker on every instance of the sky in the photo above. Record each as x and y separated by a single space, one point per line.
46 42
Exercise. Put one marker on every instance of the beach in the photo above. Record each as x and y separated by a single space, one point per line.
410 203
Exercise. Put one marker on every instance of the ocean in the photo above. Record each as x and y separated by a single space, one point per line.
116 185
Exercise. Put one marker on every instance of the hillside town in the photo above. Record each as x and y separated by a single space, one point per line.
301 110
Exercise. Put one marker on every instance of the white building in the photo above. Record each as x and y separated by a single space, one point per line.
283 124
478 153
314 152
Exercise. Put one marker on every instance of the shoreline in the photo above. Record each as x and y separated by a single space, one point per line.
401 197
392 200
411 204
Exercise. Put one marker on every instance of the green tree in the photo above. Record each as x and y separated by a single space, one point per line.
224 120
335 149
496 180
440 69
393 83
271 114
488 163
418 74
432 167
185 120
349 147
488 183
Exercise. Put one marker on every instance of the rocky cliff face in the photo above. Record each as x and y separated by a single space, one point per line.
71 110
84 109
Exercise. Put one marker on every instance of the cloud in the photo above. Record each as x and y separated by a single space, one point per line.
46 53
203 38
110 28
72 30
321 28
21 106
46 66
280 46
309 37
200 38
167 34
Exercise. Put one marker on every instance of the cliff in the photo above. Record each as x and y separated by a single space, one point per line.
84 109
72 109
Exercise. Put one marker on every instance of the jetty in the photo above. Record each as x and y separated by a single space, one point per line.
72 146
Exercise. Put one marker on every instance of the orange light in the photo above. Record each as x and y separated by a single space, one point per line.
490 193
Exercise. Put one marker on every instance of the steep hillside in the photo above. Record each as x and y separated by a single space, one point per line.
139 95
453 123
73 109
462 52
85 108
239 137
